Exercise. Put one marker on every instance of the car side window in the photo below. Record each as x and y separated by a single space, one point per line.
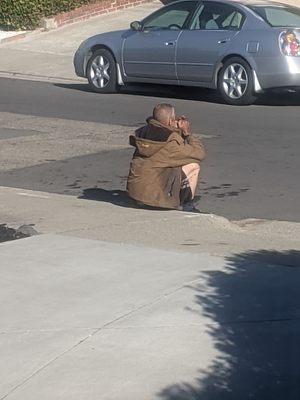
233 21
217 16
174 16
237 21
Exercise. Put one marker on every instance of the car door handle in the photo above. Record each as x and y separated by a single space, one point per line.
169 43
223 41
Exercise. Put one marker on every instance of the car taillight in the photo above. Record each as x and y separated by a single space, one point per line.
289 43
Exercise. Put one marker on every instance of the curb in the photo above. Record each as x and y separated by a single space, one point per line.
78 15
51 213
250 224
19 36
40 78
13 38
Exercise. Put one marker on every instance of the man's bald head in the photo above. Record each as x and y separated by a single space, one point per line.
164 113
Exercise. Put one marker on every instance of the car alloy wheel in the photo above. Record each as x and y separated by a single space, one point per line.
100 72
235 81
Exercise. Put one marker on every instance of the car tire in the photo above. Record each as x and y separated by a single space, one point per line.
236 82
102 72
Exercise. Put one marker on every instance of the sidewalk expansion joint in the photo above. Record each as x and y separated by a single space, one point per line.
45 366
205 325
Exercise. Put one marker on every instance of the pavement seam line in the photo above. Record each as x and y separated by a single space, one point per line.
212 324
149 304
45 366
250 321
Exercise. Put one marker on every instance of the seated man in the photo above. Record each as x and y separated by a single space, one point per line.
165 165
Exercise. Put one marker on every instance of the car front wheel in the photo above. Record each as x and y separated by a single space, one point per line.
102 72
235 82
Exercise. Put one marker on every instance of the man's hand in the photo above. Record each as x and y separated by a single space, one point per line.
184 125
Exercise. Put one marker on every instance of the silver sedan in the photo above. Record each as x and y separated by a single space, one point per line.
240 48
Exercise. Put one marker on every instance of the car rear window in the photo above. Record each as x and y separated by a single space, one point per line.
278 16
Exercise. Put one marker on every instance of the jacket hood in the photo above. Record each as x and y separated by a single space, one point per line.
150 138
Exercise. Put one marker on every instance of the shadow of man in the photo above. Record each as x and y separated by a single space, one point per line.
116 197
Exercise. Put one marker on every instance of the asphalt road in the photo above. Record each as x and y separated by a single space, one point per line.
252 165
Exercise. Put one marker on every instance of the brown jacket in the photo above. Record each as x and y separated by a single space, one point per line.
155 170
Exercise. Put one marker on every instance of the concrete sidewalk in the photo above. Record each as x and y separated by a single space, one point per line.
85 319
71 318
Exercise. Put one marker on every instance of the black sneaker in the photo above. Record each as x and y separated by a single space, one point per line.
190 207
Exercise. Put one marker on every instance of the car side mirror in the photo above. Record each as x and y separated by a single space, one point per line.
136 25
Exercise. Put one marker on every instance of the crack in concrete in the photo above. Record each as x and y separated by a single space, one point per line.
45 366
206 325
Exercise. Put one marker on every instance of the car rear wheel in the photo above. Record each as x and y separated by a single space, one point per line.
102 72
235 82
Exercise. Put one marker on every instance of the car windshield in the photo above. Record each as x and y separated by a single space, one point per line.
278 16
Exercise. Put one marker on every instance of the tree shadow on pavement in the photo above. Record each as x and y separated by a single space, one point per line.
269 98
254 311
116 197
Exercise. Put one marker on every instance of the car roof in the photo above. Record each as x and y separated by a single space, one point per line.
260 3
254 2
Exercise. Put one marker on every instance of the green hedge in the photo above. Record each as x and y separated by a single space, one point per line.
26 14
